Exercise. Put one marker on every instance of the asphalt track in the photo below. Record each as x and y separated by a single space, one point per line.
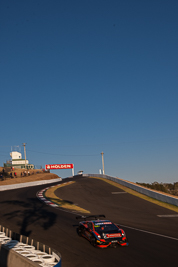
153 240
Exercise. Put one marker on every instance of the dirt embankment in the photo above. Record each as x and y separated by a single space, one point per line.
34 175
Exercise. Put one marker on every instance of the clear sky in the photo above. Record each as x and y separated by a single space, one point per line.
85 76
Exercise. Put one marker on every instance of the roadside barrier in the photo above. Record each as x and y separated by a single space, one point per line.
28 184
18 250
148 192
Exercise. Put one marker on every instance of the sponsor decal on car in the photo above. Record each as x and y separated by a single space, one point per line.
113 235
88 234
101 223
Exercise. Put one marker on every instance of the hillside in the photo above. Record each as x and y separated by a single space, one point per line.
34 175
167 188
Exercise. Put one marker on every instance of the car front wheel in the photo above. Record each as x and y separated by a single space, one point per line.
79 231
93 241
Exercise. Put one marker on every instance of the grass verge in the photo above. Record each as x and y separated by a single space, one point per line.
50 194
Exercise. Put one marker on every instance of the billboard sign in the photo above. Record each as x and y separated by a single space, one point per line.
58 166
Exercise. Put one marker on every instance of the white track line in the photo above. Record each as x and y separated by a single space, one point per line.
148 232
114 193
168 216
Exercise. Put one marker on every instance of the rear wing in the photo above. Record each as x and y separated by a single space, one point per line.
96 217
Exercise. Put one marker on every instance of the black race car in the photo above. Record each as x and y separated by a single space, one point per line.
101 233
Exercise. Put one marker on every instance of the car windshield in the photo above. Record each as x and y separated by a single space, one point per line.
105 226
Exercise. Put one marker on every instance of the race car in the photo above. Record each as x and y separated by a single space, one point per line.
101 233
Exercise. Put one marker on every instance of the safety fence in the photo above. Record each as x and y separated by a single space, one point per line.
18 250
148 192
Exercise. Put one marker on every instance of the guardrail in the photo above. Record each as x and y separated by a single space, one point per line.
12 245
148 192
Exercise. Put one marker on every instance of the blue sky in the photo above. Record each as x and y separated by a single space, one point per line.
85 76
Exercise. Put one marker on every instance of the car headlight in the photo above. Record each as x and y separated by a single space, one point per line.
104 235
123 233
99 236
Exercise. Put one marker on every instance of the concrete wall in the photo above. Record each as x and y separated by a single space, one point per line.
10 258
156 195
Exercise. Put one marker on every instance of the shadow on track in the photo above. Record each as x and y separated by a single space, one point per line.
30 213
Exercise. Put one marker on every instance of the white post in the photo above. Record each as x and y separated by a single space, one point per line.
73 170
24 153
102 161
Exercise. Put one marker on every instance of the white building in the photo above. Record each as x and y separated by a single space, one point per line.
17 161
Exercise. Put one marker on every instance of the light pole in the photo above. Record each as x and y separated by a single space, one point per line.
24 144
102 161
